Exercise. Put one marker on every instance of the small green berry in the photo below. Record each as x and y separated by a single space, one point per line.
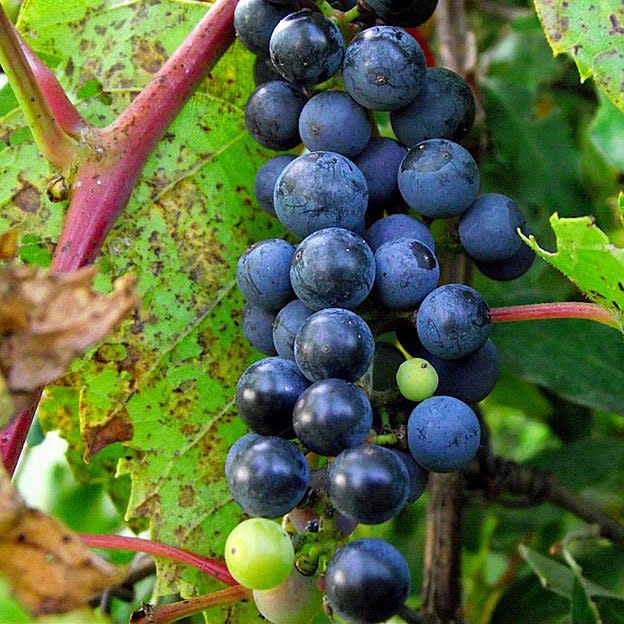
417 379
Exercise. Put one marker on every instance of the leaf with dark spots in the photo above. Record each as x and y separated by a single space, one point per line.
592 33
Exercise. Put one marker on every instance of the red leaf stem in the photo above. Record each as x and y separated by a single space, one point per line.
65 113
13 437
563 310
167 613
214 568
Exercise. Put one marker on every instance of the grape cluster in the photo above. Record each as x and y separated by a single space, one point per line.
320 454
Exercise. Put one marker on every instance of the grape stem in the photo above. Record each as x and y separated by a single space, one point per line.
164 614
53 142
563 310
352 14
212 567
107 162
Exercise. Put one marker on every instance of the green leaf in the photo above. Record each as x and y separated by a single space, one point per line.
582 608
591 32
554 576
535 159
606 132
586 256
579 360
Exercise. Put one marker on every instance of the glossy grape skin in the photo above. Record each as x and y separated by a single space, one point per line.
258 328
266 394
236 449
266 177
417 379
397 226
319 190
470 378
306 47
488 230
334 343
379 162
287 323
268 477
443 434
367 581
453 321
368 484
444 108
438 178
511 268
254 21
295 601
259 554
332 415
332 268
263 273
406 272
418 476
383 68
272 114
334 122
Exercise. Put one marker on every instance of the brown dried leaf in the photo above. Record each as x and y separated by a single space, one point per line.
48 319
49 569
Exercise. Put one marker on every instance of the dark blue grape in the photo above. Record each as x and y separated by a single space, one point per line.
334 122
379 162
306 47
368 483
287 323
488 230
254 21
470 378
334 343
238 447
320 190
509 269
263 273
443 434
398 226
417 475
406 13
407 271
332 268
453 321
439 178
367 581
266 177
444 108
272 114
267 476
383 68
258 328
266 394
332 415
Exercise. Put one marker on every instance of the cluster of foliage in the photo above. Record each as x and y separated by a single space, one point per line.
148 413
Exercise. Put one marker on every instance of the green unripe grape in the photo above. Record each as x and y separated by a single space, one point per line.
295 601
259 554
417 379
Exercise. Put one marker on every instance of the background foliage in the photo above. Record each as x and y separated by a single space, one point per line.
151 407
